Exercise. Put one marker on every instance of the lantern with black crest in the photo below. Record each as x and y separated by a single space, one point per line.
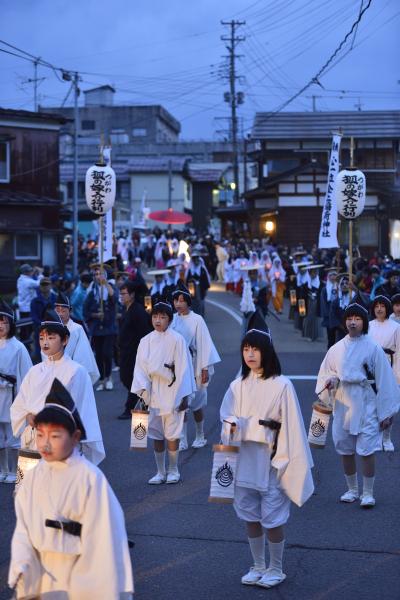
100 185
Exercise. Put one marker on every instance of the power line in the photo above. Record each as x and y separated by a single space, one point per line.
315 79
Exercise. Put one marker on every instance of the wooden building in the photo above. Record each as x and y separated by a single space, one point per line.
30 227
292 153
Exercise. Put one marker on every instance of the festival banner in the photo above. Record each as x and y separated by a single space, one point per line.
328 230
107 235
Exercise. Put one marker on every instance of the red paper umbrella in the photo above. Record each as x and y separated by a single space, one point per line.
170 216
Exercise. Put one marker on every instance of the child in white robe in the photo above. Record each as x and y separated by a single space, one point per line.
386 333
53 337
78 347
395 316
163 378
15 362
204 356
70 539
261 411
352 367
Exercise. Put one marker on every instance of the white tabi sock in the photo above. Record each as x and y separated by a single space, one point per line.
160 462
173 461
199 429
386 434
368 485
275 555
352 482
3 461
257 549
184 432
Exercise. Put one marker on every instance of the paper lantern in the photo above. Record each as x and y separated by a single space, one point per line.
293 297
147 303
139 429
27 460
302 308
350 190
319 425
223 473
100 188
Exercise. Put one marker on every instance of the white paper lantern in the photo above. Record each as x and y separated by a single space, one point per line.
27 460
319 425
100 188
350 189
139 429
223 473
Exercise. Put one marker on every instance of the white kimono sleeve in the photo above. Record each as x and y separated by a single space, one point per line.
228 416
19 408
103 569
388 392
81 390
206 353
327 370
82 353
293 458
25 570
24 363
141 379
185 384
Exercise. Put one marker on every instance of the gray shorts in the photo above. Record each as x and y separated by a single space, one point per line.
168 427
270 508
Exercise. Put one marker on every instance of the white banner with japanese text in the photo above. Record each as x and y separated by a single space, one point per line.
328 230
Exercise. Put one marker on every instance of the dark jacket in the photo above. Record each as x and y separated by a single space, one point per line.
38 305
134 324
98 327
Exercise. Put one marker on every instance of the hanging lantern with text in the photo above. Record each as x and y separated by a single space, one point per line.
27 460
223 473
139 429
100 188
350 189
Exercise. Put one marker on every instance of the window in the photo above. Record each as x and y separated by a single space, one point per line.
4 162
27 245
123 189
139 132
119 136
87 124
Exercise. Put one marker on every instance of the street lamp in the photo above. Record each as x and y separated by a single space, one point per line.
269 226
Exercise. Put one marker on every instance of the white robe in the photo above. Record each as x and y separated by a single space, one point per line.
80 350
54 563
194 330
155 350
346 360
387 335
15 361
245 403
32 395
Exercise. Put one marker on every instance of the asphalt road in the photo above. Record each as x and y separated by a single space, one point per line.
188 549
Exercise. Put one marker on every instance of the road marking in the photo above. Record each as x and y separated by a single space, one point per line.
230 312
238 319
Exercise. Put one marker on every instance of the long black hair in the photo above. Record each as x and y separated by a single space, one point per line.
269 360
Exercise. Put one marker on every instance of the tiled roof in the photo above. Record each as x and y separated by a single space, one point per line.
67 170
319 125
28 114
25 198
206 172
156 165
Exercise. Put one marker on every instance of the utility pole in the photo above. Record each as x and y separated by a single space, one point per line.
233 98
75 198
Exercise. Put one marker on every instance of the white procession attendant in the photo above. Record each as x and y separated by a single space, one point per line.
353 366
260 410
78 347
70 539
386 333
15 362
204 356
163 378
38 381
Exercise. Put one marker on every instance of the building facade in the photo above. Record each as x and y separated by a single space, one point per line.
292 154
31 227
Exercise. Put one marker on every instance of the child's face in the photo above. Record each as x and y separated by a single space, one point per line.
396 309
160 322
63 312
181 306
380 311
54 442
252 358
4 327
50 343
